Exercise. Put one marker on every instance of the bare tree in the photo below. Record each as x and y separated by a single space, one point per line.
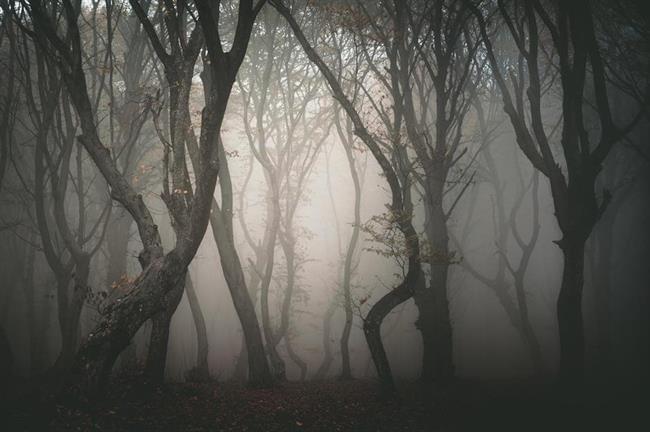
281 120
398 213
573 44
163 272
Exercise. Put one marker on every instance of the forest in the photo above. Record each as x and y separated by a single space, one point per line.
324 215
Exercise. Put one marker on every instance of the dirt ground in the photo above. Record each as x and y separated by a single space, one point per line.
331 405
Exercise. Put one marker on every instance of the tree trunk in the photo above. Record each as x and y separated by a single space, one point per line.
375 317
70 314
33 319
258 368
157 354
403 219
200 371
569 314
434 319
272 339
296 359
117 243
525 327
222 232
602 240
62 283
346 370
121 321
254 279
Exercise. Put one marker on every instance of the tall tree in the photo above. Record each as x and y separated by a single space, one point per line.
573 42
399 214
163 272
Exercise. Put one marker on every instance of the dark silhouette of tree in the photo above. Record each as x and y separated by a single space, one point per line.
567 32
189 209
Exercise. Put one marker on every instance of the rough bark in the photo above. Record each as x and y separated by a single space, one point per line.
159 340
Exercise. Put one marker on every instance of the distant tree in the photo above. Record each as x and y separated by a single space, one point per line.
398 214
286 125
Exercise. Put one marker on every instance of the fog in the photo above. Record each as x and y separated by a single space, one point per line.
188 213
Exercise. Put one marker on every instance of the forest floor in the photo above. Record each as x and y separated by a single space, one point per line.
331 405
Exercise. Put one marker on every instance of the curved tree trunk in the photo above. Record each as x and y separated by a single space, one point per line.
402 218
346 370
241 365
526 330
95 359
162 273
296 359
375 317
159 339
200 371
220 219
272 339
258 368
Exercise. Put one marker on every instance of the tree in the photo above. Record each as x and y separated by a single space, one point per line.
506 227
570 31
398 213
285 126
163 272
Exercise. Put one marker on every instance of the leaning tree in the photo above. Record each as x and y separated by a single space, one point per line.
189 207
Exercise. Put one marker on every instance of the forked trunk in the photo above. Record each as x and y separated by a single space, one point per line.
95 359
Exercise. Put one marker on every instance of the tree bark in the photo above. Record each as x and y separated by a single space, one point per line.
433 305
569 315
258 368
375 317
70 313
159 340
200 371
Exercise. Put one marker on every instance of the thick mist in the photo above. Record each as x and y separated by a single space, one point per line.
430 199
